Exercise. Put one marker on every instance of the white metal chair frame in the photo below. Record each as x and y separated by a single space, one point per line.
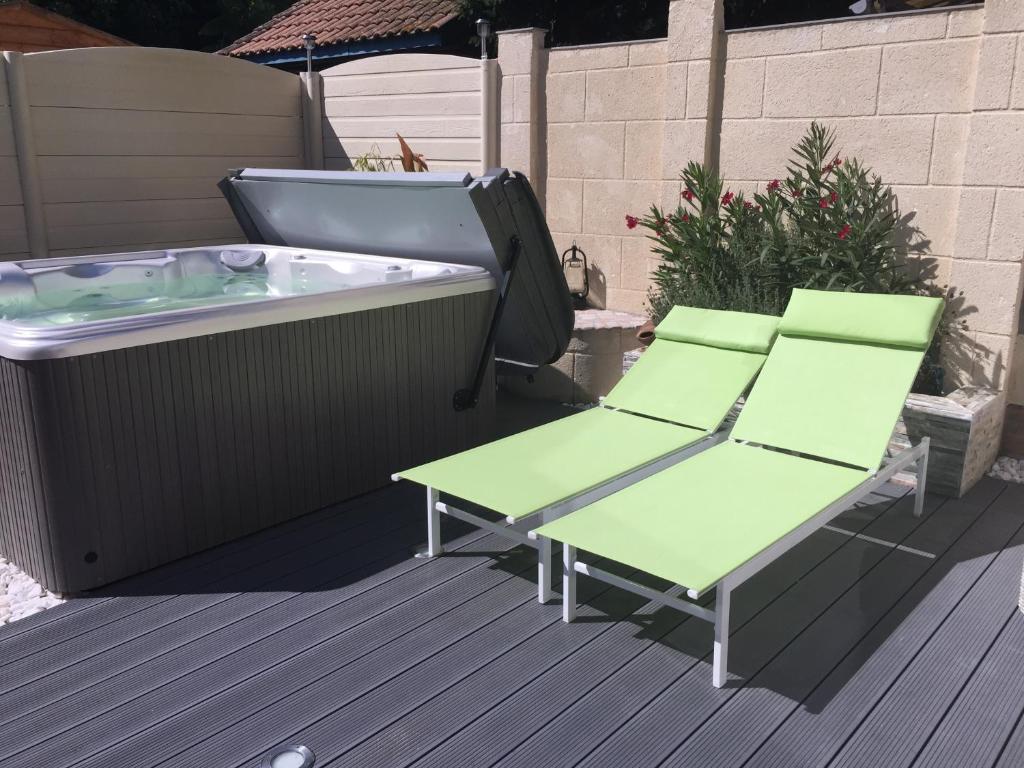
719 615
517 529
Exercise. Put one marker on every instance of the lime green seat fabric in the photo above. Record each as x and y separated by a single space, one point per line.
521 474
695 522
741 331
685 383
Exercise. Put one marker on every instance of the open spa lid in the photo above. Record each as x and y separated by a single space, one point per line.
446 217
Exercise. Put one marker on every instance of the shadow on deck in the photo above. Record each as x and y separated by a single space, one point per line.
847 651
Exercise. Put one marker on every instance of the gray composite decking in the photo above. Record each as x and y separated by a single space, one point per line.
324 631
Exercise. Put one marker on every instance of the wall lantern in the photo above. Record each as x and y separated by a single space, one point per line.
289 757
483 31
574 265
309 40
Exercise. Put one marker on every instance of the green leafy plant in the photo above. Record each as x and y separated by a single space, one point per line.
829 224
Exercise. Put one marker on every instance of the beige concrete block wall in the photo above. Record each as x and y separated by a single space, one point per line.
602 139
933 101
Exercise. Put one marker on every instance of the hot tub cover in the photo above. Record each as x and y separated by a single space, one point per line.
447 217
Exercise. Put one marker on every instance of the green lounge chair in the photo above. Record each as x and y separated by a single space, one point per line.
669 406
810 441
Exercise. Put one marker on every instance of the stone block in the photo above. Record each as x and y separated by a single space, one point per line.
626 94
588 57
819 85
974 220
644 54
684 140
1004 16
518 50
586 150
564 206
745 44
516 144
698 88
604 261
676 74
565 94
1017 92
744 88
992 355
628 300
526 96
693 26
595 375
851 33
643 150
949 150
1016 391
1006 243
608 202
896 148
966 23
926 78
995 72
991 294
995 150
638 263
929 217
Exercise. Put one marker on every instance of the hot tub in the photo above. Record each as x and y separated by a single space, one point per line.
161 402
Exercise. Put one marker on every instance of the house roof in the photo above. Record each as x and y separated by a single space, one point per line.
342 21
27 27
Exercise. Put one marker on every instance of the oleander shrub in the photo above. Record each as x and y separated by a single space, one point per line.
828 223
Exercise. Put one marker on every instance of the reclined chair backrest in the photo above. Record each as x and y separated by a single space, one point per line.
700 362
837 377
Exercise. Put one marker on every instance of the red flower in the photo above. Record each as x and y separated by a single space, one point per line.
748 205
823 203
687 194
631 221
686 218
833 197
837 162
844 232
773 185
796 191
727 198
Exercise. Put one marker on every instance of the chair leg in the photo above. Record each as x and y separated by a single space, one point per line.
922 478
433 526
544 591
568 583
720 670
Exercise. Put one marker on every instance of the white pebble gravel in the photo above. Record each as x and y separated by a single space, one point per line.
1009 469
21 595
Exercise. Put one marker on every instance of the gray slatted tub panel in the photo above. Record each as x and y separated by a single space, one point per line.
147 454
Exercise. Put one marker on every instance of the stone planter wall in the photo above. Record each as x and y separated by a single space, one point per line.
591 365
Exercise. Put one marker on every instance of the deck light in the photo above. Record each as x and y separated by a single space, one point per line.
292 756
309 40
576 274
483 31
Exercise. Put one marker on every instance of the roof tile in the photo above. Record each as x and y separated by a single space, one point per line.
342 21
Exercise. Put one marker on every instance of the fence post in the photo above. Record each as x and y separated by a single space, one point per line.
24 146
312 120
696 29
489 118
519 59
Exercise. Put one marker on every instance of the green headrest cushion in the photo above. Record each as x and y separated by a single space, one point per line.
867 318
741 331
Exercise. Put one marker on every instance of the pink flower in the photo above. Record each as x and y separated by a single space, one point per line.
833 197
796 191
844 232
687 194
774 185
727 198
631 221
748 205
823 203
686 218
